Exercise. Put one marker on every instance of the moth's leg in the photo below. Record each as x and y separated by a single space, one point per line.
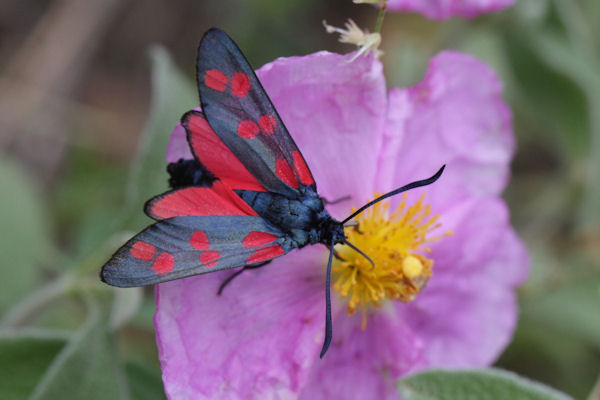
238 272
336 200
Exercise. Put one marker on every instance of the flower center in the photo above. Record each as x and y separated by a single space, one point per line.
397 245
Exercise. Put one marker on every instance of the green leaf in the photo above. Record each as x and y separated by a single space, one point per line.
87 367
572 310
485 44
483 384
82 206
567 59
536 62
26 240
126 303
172 95
24 358
552 356
592 11
144 383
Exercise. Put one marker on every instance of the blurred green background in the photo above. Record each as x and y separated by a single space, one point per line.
89 92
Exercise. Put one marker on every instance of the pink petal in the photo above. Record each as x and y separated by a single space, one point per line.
364 364
455 116
178 147
463 328
443 9
335 111
467 313
262 338
482 241
256 341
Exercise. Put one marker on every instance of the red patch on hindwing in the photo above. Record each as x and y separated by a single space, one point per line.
247 129
240 84
265 254
216 80
285 173
209 258
216 156
199 241
267 123
302 169
257 238
142 251
164 263
198 201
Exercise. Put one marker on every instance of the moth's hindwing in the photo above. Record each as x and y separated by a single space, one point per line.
216 200
208 148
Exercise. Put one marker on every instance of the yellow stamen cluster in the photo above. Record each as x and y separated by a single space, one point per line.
396 244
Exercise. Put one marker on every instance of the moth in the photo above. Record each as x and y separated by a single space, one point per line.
247 197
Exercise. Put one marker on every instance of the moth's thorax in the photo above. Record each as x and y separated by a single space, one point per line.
305 219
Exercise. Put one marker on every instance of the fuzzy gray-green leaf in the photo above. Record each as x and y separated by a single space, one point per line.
486 384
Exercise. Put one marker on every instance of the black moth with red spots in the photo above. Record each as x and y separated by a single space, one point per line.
246 198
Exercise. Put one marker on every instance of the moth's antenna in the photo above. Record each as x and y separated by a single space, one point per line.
328 324
404 188
359 251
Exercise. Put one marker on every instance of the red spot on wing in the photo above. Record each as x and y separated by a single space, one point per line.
216 80
199 241
265 254
164 263
210 150
142 251
209 258
240 84
218 200
267 124
257 238
285 173
302 169
247 129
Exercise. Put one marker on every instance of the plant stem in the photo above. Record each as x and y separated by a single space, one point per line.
595 395
382 9
41 298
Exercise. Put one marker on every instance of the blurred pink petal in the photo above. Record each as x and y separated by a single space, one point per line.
258 340
468 312
339 145
261 339
455 116
444 9
364 364
178 147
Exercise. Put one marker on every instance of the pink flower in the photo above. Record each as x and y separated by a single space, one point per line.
444 9
261 339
